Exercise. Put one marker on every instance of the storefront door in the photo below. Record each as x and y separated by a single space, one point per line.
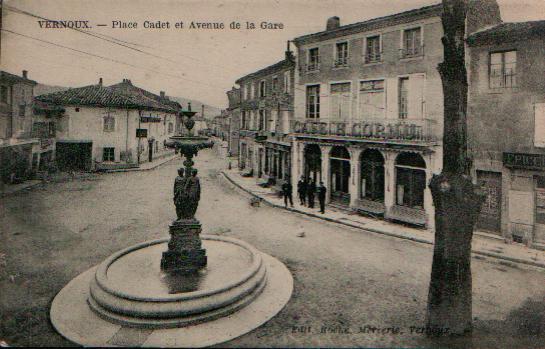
490 216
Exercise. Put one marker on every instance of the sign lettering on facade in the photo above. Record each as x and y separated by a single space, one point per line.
525 161
382 130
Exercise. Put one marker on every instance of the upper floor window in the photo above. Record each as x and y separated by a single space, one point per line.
22 110
503 69
170 127
253 91
313 59
372 49
371 99
412 43
287 82
340 100
4 98
275 83
109 123
341 54
262 121
403 98
262 91
313 101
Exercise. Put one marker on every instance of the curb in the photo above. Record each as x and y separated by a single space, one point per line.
136 169
377 231
30 186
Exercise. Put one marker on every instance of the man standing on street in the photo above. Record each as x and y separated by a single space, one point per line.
311 190
287 190
321 196
302 190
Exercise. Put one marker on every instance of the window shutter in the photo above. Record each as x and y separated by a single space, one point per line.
539 131
391 98
416 96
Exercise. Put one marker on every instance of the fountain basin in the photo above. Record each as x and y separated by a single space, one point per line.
129 289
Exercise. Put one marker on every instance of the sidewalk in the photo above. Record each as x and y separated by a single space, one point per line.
483 244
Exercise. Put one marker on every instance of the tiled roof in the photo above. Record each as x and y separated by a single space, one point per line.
111 96
508 32
12 78
128 88
373 24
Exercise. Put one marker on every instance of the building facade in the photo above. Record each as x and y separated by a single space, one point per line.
233 110
111 127
16 142
369 111
265 115
506 128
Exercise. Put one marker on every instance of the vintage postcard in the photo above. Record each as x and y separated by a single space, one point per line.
272 173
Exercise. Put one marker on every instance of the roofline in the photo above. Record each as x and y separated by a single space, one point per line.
430 11
261 72
486 36
17 78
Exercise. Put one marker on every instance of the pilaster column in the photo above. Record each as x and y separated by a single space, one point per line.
326 150
355 175
296 162
428 199
389 181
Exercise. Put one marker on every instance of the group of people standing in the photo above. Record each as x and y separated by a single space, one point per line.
307 191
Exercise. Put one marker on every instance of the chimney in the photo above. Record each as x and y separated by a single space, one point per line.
189 106
25 74
100 81
289 54
162 93
333 23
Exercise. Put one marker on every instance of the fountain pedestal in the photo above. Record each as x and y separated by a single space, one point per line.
185 253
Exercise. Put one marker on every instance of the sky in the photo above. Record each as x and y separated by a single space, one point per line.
193 63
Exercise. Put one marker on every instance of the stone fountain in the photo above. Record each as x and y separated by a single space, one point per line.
185 285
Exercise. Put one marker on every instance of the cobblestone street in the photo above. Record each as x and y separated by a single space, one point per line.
352 288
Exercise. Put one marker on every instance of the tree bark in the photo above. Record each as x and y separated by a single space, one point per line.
457 201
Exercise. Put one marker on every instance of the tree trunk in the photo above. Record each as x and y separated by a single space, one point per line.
457 201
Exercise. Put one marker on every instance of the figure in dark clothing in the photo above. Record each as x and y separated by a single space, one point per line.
311 190
321 196
302 190
287 190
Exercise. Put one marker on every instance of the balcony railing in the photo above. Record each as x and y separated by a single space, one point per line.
373 57
341 62
411 52
410 130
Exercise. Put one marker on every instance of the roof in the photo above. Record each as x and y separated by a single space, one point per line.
508 32
117 96
373 24
285 63
12 78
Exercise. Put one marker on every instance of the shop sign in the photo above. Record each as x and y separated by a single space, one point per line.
524 161
381 130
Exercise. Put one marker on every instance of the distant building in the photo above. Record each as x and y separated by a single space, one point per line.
16 142
265 114
234 120
506 128
111 127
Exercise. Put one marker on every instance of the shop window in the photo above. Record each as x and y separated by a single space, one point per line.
108 154
540 199
410 180
502 69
